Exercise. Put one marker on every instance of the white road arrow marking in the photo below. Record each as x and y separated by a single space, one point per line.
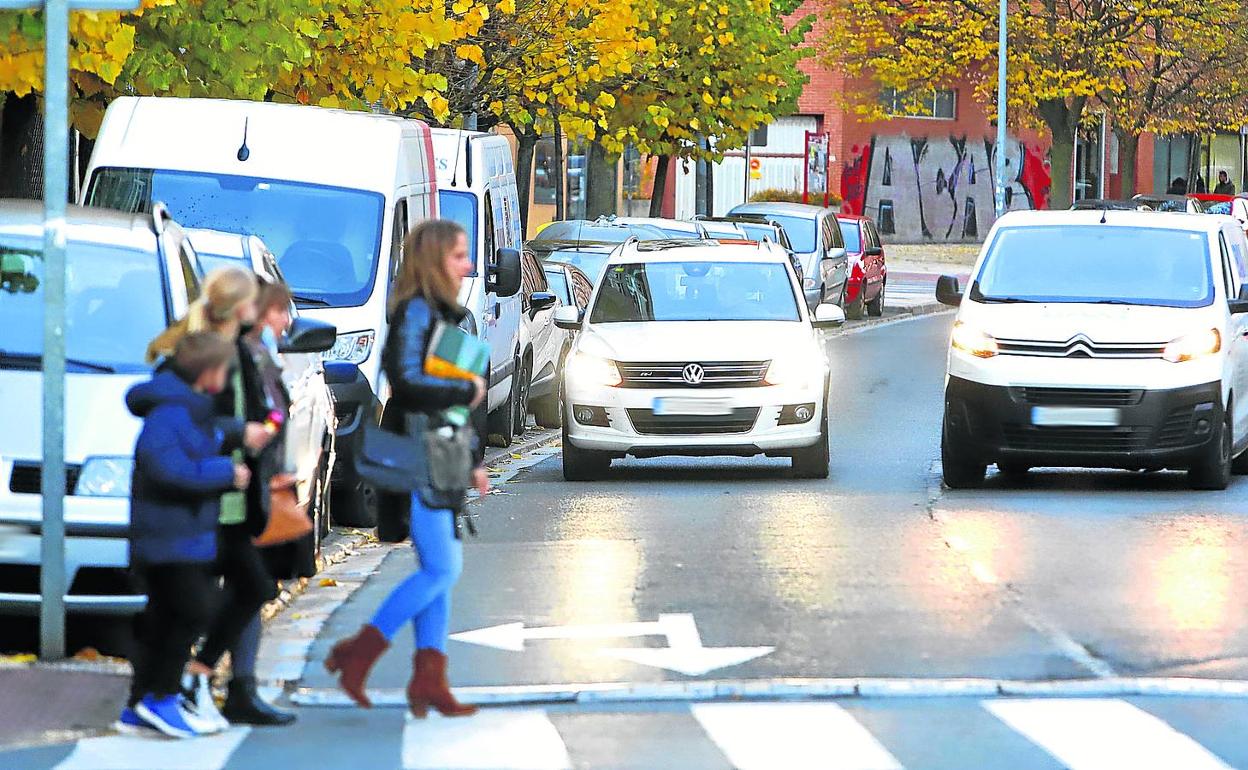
684 652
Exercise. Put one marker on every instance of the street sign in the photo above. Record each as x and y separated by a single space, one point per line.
684 652
52 583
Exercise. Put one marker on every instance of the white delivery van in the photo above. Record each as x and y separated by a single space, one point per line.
477 188
1100 339
331 192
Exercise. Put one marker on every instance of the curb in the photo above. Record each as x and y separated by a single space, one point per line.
531 440
806 689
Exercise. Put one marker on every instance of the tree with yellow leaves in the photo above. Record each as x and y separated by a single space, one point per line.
533 62
370 53
1184 75
720 69
1063 56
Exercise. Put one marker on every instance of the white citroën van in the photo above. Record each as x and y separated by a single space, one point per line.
1112 339
331 192
477 188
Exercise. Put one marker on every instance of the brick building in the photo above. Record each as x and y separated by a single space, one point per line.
925 174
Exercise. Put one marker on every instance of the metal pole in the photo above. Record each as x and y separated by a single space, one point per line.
747 170
55 192
1002 104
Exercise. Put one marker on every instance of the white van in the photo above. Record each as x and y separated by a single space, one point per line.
1100 339
331 192
477 188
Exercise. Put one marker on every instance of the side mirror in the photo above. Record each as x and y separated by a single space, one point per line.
835 255
949 290
1239 305
504 279
828 316
874 251
568 317
307 335
542 300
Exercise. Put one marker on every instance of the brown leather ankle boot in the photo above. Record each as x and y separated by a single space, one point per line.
353 659
429 687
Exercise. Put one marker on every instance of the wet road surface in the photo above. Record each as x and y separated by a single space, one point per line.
679 570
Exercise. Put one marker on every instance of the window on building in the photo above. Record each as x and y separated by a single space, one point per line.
939 103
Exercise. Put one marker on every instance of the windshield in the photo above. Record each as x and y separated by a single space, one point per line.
326 238
695 291
590 262
853 244
461 208
1097 263
1219 207
114 306
802 232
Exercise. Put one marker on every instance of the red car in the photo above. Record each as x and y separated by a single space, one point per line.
867 270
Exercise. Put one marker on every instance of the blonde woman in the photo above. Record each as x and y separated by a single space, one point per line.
426 289
228 306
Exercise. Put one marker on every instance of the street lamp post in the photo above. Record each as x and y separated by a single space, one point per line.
1001 107
52 584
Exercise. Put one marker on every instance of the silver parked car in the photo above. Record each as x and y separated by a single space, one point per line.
816 238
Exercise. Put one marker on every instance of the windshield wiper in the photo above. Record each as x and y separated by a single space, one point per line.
1002 300
301 299
37 360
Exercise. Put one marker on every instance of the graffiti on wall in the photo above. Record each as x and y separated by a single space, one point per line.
939 189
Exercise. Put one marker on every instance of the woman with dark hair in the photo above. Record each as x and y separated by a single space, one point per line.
425 295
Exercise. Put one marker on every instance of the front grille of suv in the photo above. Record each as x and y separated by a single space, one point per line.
669 374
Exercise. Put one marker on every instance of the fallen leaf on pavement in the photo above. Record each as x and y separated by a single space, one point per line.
25 657
327 582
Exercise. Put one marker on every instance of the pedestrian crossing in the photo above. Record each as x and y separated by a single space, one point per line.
859 734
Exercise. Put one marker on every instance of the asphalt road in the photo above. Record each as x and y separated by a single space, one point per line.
676 570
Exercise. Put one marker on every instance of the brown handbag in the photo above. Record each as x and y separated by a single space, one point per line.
288 519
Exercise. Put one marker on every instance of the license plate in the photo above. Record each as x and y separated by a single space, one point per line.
1075 415
691 406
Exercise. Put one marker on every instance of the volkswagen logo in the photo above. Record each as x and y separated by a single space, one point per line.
693 374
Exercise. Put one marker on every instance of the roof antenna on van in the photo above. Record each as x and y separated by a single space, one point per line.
1104 213
244 152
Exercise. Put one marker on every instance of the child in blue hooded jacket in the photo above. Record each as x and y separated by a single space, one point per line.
179 477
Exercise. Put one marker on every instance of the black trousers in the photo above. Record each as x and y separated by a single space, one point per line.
181 601
246 587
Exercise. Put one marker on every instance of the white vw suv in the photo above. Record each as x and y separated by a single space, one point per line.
696 348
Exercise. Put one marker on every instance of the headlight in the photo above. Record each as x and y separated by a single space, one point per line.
1191 346
793 369
105 477
353 348
593 370
968 339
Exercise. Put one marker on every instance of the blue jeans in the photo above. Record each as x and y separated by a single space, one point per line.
424 597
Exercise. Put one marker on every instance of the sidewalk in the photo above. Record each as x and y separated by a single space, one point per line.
42 703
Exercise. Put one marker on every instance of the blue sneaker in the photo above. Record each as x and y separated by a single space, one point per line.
130 723
165 714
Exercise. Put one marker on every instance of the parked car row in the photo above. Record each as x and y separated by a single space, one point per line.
128 276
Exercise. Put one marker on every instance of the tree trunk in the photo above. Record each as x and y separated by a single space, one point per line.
527 143
1062 120
600 183
1128 152
660 185
21 148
